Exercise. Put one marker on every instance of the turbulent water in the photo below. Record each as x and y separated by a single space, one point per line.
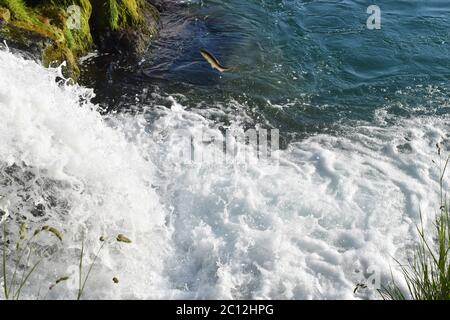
359 113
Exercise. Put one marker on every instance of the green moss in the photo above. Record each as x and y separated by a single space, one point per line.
55 54
125 13
70 40
49 19
77 39
17 8
117 14
82 37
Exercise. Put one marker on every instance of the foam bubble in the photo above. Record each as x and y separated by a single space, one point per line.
332 210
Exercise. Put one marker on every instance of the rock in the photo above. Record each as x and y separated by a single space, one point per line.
30 44
55 54
41 33
161 5
38 47
40 28
122 32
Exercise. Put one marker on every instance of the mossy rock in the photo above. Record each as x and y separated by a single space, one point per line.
125 26
30 44
55 54
117 14
41 31
41 27
79 38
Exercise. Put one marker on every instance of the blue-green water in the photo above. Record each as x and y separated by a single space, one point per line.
302 66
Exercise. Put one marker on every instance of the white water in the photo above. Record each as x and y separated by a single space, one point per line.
335 204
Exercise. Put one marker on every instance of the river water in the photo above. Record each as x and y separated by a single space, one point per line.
358 111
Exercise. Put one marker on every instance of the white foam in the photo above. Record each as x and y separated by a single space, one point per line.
104 179
298 231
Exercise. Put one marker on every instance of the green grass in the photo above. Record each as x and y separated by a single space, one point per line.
427 274
14 281
82 283
21 259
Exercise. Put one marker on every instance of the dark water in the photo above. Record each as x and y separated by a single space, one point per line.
302 66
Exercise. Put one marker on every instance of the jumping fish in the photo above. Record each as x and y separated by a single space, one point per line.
213 61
